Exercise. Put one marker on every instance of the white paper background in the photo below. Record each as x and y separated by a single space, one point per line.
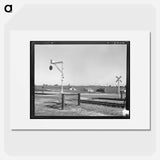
139 75
111 15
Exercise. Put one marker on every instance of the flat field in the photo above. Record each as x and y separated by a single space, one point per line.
91 104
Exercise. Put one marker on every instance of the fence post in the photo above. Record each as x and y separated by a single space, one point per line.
62 101
121 94
79 98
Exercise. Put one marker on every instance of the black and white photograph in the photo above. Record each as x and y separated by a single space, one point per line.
80 79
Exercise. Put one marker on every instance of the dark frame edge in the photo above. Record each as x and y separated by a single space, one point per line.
32 96
32 112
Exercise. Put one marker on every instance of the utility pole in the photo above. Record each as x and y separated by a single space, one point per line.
60 69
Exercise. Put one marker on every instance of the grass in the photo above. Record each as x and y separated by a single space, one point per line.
50 105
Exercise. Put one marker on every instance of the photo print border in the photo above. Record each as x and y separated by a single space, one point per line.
32 78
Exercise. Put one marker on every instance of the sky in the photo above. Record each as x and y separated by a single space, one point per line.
83 64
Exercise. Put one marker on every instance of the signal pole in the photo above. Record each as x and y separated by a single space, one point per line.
59 69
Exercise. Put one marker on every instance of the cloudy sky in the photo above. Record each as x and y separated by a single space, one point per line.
83 64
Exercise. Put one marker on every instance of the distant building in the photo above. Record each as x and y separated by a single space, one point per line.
102 90
72 89
114 89
111 89
89 90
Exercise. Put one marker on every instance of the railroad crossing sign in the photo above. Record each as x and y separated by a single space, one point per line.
60 69
118 82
